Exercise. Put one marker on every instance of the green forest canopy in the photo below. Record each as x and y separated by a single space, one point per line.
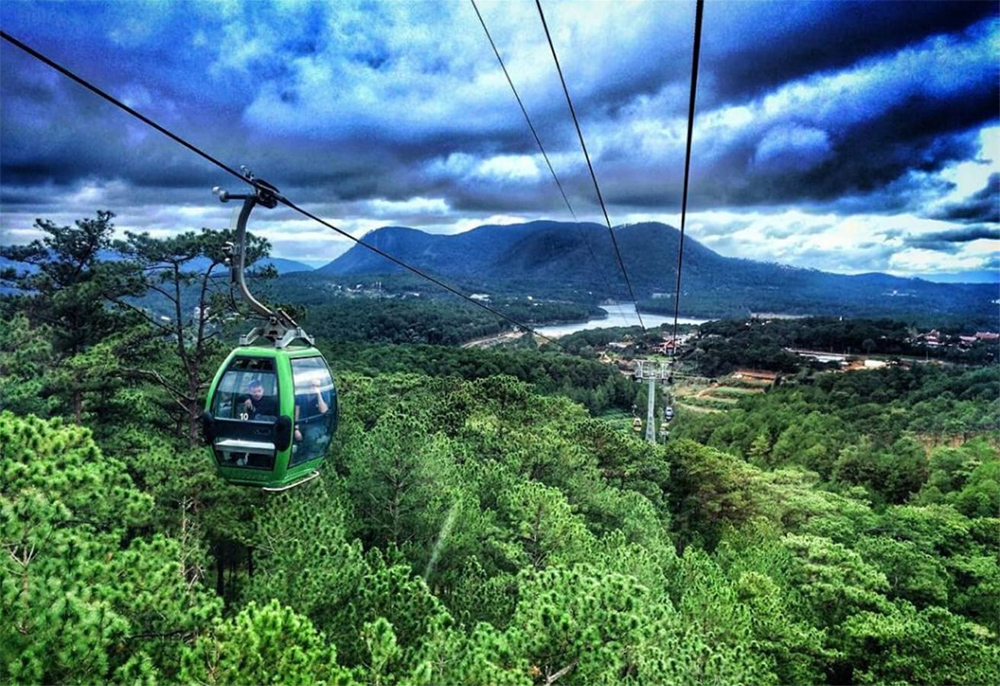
471 527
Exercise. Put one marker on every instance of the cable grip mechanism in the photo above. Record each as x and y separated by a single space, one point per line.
280 328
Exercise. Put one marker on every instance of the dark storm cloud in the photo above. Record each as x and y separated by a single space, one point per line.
55 131
917 133
981 207
398 112
634 72
510 196
27 196
950 240
793 40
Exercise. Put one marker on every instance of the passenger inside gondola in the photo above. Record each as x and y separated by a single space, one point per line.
258 406
248 392
315 410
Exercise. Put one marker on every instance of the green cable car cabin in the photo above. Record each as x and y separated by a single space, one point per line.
270 416
271 410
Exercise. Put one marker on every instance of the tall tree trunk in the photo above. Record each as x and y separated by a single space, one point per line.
220 573
194 411
192 429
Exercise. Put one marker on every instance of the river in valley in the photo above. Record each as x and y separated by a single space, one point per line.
619 314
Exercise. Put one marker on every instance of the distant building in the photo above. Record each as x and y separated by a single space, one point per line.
819 356
932 338
666 347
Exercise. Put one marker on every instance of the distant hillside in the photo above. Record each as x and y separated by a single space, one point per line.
282 265
578 261
469 253
285 266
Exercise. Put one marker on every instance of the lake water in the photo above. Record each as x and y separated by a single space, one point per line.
619 314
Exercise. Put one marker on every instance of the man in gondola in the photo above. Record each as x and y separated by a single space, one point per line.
259 406
310 408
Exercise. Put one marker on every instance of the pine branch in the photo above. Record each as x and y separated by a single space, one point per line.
562 672
178 393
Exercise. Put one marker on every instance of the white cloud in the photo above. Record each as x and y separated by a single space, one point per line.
792 148
525 169
828 242
938 67
390 208
508 168
917 261
970 176
99 194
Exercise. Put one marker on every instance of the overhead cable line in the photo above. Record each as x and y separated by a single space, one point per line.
590 166
524 111
541 147
288 203
118 103
696 52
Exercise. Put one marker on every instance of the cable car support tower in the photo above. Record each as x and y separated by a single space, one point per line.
647 370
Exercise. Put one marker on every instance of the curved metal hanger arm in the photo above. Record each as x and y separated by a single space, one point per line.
281 328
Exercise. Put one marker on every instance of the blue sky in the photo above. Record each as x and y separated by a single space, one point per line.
840 136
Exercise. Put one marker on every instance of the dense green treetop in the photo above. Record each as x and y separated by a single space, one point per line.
477 521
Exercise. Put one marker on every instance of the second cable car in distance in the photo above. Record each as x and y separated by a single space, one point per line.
271 410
